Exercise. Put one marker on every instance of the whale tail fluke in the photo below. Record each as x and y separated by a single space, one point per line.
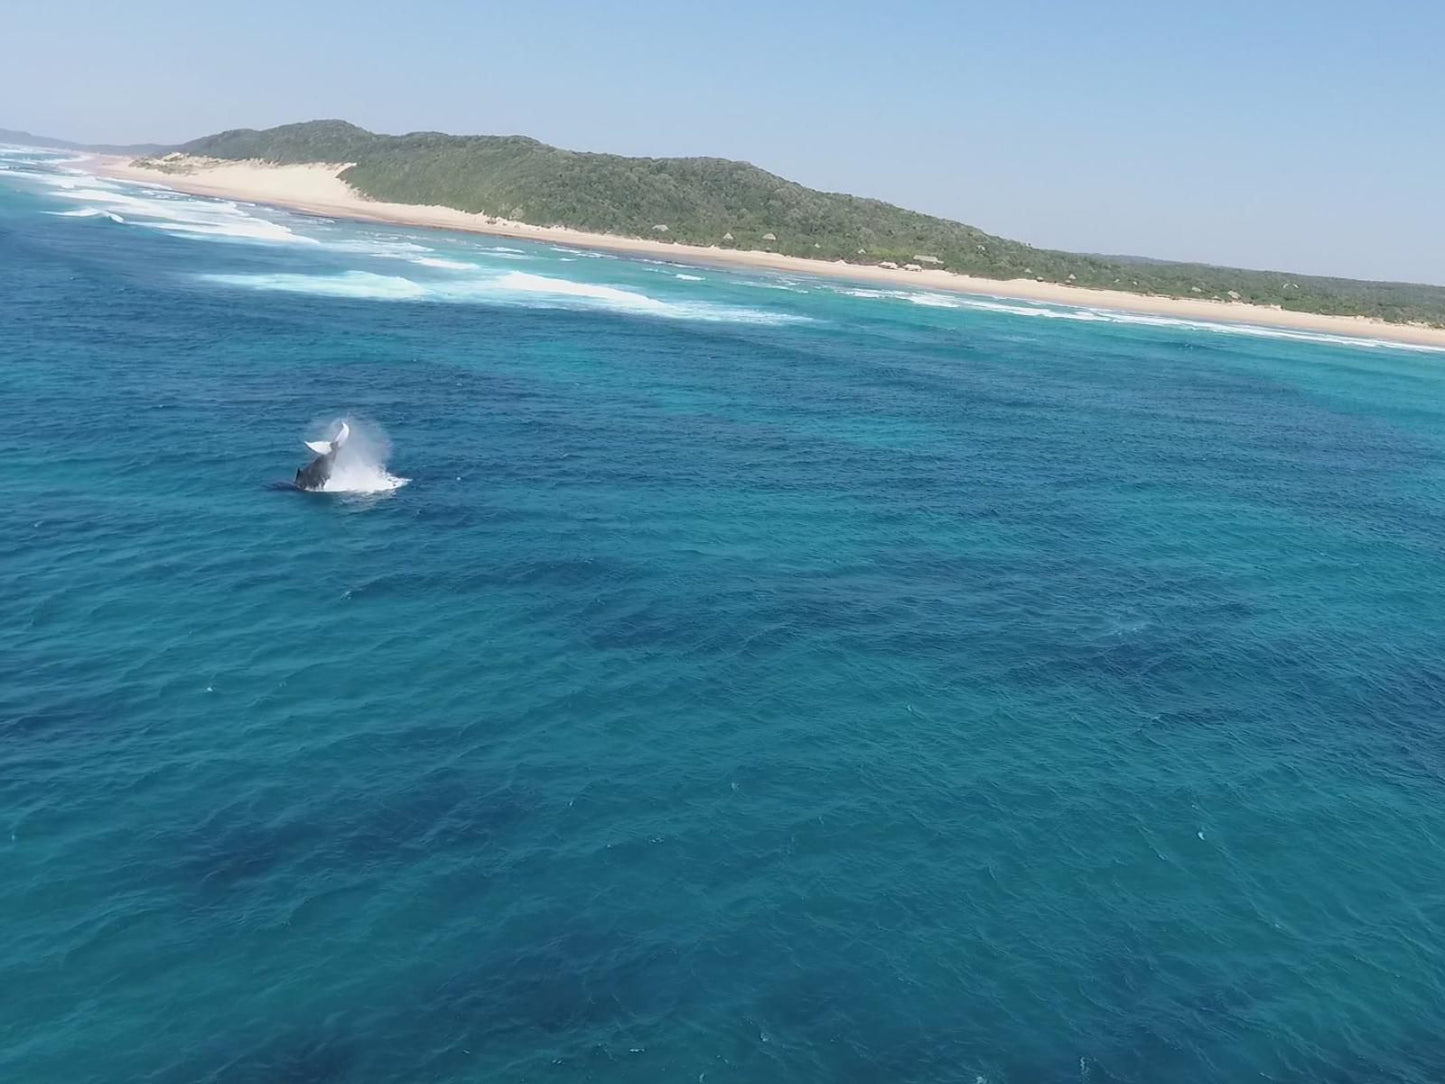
352 461
326 447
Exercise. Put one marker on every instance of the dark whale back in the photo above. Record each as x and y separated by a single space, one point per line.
315 474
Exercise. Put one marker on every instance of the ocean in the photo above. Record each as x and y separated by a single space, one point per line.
757 678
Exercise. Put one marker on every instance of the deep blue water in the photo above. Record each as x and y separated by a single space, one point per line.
759 679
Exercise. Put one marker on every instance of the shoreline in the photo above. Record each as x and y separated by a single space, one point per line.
316 189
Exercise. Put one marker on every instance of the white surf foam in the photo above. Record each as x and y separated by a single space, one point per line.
689 278
512 287
588 253
53 180
156 206
161 208
445 265
252 230
913 297
543 286
543 289
1255 330
11 154
934 301
1110 316
352 284
88 212
1084 315
785 287
378 246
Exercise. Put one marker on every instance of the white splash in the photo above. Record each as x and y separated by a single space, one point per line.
360 464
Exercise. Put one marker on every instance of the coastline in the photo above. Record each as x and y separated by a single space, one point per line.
317 189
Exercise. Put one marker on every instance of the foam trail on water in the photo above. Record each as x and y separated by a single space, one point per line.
513 287
360 465
160 208
610 296
443 264
353 284
1081 314
588 253
375 245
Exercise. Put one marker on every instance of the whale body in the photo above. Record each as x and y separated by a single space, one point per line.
317 473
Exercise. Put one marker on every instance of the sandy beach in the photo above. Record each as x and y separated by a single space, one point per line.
317 189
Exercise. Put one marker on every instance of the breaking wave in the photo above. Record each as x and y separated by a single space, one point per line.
154 206
588 253
87 212
516 287
1113 316
444 265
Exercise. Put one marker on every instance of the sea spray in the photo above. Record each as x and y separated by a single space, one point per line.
360 465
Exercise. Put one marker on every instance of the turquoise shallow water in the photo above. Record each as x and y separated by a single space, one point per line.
759 679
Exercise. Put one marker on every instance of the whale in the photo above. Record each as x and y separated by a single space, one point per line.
317 473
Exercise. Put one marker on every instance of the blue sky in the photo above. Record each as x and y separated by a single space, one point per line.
1304 136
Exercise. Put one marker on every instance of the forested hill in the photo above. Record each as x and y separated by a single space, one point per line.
714 201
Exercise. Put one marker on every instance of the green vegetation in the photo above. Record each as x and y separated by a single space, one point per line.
713 201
